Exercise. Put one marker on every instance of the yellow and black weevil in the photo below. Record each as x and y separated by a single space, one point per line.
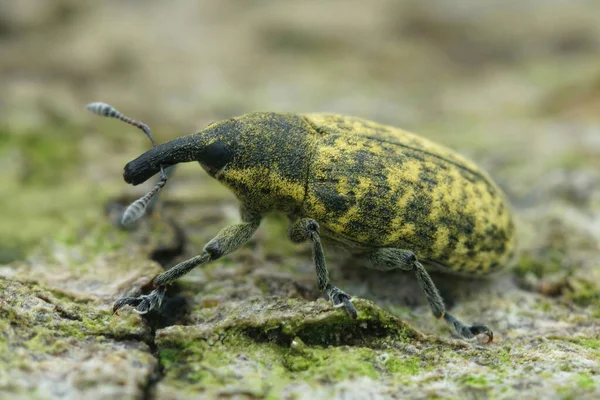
387 196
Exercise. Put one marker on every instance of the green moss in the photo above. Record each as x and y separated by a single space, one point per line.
45 341
100 237
44 178
4 338
580 385
583 292
475 381
547 273
504 356
372 323
590 343
402 367
46 155
216 363
291 340
585 381
593 344
63 319
540 265
168 357
332 364
315 323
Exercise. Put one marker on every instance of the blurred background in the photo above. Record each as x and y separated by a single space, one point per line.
514 85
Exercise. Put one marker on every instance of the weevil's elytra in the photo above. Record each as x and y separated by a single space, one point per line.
382 187
388 196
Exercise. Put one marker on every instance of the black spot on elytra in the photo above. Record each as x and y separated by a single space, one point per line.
417 209
467 225
429 180
427 177
332 201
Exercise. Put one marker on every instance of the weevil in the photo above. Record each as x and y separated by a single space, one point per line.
391 198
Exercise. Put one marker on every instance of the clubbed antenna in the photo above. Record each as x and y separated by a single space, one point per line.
106 110
138 207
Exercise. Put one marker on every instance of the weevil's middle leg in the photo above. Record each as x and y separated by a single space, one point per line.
229 239
391 258
303 230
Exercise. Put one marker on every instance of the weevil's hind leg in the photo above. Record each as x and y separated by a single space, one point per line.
229 239
306 229
391 258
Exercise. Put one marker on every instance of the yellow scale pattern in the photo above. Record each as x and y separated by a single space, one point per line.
379 186
370 185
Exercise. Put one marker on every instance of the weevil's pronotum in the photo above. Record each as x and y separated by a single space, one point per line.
389 197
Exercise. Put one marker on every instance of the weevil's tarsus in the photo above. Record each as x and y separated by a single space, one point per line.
143 303
339 299
138 207
469 332
125 301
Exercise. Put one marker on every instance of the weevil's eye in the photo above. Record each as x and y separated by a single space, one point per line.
215 156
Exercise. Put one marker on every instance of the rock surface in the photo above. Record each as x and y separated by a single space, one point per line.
513 86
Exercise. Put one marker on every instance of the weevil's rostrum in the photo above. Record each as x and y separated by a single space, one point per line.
387 196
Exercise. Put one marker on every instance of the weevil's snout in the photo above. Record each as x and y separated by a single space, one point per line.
132 175
211 147
145 166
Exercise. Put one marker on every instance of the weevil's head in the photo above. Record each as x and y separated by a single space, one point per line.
262 157
213 147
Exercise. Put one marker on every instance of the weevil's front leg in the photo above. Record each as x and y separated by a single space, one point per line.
391 258
229 239
303 230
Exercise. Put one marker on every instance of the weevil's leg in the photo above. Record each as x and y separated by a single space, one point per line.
303 230
391 258
229 239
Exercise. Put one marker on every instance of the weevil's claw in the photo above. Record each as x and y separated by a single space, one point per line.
144 303
479 329
469 332
341 299
350 309
125 301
